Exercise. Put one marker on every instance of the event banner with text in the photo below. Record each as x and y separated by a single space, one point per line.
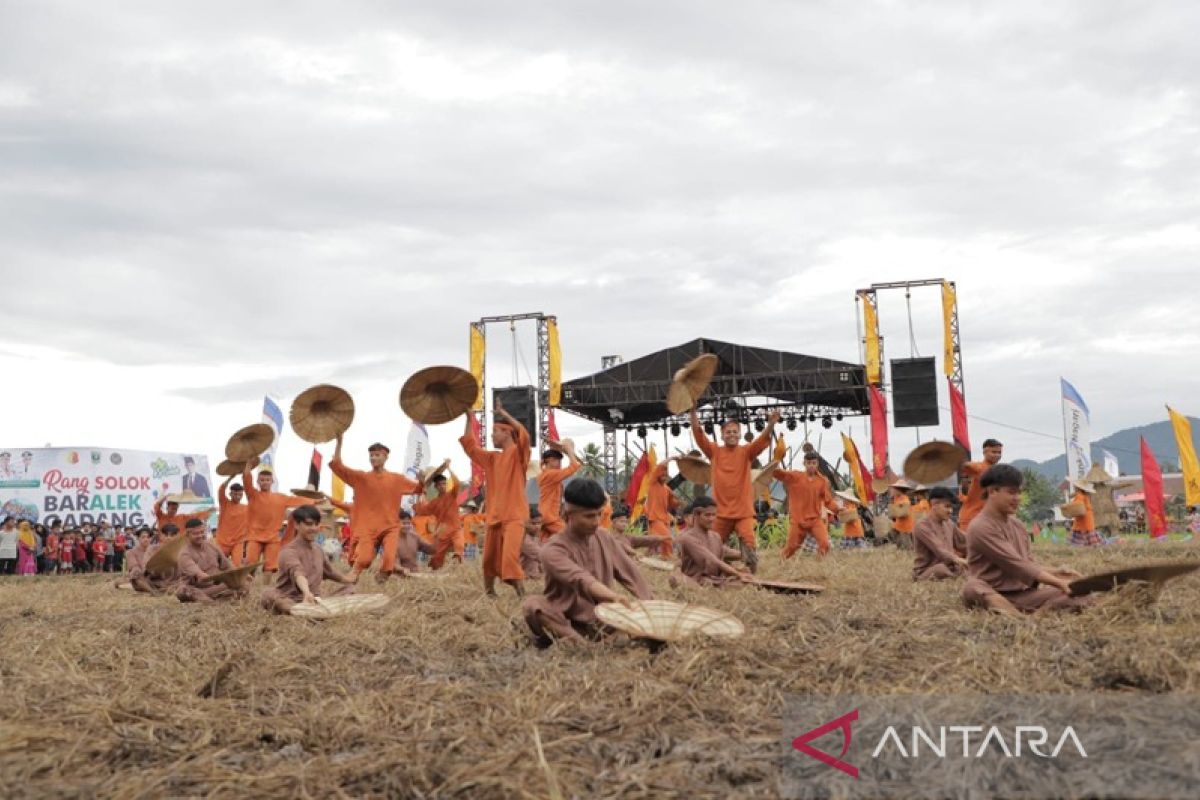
74 485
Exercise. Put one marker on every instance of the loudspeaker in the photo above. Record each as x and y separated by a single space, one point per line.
914 392
521 403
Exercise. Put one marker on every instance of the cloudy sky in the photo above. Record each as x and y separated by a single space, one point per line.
203 202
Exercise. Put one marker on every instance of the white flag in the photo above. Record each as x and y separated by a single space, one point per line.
273 416
1111 465
1077 432
416 456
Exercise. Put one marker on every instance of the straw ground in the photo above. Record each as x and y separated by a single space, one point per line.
108 693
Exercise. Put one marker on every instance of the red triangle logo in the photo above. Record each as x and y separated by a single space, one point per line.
843 723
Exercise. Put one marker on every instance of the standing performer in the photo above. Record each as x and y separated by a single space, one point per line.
809 494
198 560
550 484
661 502
901 512
172 516
1083 528
507 509
376 518
933 540
232 524
852 531
973 502
732 488
302 568
581 565
1001 574
265 512
703 553
447 525
474 525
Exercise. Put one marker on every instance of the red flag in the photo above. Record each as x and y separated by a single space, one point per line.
635 480
1152 488
879 433
551 428
958 417
476 485
314 469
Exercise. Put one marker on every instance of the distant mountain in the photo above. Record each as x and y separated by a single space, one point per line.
1124 445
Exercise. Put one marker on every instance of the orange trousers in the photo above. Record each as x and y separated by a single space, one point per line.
801 530
743 526
502 551
268 550
447 540
551 528
368 542
232 550
660 529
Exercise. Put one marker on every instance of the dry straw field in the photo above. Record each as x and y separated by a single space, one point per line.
106 693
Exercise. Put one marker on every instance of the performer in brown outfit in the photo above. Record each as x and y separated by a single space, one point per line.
531 546
302 568
199 559
135 559
157 584
581 565
1002 576
702 553
933 540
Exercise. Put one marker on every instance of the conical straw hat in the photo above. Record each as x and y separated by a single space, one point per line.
186 498
229 469
669 622
690 383
438 394
934 461
166 557
321 413
236 577
695 469
249 442
880 484
660 564
848 496
761 478
1153 573
327 607
308 493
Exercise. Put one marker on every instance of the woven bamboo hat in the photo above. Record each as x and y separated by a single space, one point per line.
1153 574
236 577
186 498
695 469
690 382
309 493
761 478
934 461
250 442
321 413
660 564
848 496
665 621
438 394
328 607
166 557
229 469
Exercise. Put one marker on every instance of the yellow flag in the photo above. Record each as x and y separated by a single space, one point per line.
949 300
850 453
871 325
555 363
478 348
339 494
644 489
1187 457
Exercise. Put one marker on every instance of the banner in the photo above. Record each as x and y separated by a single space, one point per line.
555 362
644 484
859 475
1077 432
1187 457
416 457
478 350
273 416
949 301
1152 490
958 417
476 486
1111 465
879 433
635 480
552 426
871 329
314 470
88 484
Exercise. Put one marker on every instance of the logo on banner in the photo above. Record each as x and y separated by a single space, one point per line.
842 723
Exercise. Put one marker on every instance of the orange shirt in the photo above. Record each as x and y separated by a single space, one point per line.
469 522
265 511
443 509
904 524
550 489
164 519
974 502
660 500
377 496
1088 521
606 515
232 525
807 495
731 473
853 529
920 509
503 475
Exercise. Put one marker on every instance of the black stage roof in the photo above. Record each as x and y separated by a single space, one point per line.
633 393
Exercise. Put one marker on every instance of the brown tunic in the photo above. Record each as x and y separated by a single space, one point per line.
135 561
700 557
296 559
999 562
195 562
155 583
571 563
933 542
630 543
531 556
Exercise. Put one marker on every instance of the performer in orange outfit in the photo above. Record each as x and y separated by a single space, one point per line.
973 503
732 488
903 520
447 525
376 517
550 485
660 503
171 515
265 512
231 526
507 509
809 494
1083 528
474 525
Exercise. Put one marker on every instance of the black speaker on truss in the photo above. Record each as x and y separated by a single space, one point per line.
914 392
521 403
